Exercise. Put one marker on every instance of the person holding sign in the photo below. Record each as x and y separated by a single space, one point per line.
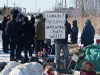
62 44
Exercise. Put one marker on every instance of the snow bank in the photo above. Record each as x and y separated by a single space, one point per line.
32 68
9 67
2 65
14 68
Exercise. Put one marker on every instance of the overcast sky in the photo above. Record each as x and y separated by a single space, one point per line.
33 5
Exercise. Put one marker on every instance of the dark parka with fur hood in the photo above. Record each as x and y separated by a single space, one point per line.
87 36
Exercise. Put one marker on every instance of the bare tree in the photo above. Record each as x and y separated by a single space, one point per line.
80 7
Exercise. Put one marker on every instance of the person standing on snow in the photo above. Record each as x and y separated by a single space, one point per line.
87 36
5 38
40 33
74 32
27 36
62 44
13 31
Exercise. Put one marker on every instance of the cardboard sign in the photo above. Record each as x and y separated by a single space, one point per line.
54 26
75 58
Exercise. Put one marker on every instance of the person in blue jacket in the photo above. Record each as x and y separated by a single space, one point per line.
87 36
74 32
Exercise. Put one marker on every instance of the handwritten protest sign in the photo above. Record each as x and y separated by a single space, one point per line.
54 26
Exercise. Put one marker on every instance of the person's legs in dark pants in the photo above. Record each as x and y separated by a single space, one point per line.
5 42
12 48
19 50
31 47
27 47
5 46
30 51
25 52
38 46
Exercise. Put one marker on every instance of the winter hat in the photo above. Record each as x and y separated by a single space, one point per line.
26 19
88 22
39 16
87 62
74 22
15 13
66 16
87 66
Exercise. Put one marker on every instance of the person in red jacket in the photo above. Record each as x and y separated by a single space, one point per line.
87 69
48 70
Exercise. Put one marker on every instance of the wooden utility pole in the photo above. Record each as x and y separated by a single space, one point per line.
82 8
65 4
62 3
75 9
7 8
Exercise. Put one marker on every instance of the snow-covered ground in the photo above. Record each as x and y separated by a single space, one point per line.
14 68
5 57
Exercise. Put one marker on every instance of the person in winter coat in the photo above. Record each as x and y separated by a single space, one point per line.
5 37
19 48
13 32
27 36
40 33
32 21
87 36
74 32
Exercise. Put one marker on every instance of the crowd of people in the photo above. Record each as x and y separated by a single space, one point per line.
20 34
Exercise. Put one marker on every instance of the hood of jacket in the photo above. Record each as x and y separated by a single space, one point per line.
74 23
88 23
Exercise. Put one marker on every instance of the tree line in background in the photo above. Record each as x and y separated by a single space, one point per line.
87 7
6 10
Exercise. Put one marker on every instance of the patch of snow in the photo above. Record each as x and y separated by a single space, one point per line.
8 68
14 68
32 68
